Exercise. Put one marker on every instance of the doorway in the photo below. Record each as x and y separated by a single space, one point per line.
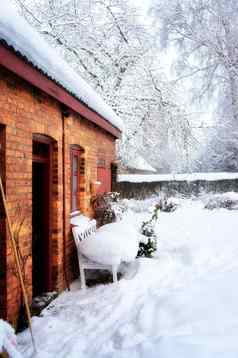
41 213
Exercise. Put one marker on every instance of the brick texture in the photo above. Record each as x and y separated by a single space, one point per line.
25 111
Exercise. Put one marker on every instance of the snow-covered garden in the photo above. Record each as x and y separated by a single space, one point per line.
181 303
167 71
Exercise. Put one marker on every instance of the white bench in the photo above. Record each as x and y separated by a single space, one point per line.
85 231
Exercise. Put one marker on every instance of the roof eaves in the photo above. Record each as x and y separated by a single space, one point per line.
87 112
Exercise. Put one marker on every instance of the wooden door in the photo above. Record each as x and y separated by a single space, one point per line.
41 217
2 229
104 177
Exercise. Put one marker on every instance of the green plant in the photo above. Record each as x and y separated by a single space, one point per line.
149 245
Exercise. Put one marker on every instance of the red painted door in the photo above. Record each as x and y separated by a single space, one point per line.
104 176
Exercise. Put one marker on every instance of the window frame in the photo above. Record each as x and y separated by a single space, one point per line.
75 151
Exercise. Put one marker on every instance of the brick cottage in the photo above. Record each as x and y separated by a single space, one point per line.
57 138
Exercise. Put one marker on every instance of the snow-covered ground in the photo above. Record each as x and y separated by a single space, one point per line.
182 304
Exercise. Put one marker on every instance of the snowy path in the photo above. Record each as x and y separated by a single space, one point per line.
183 304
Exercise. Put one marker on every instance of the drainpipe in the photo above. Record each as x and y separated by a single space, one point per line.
64 114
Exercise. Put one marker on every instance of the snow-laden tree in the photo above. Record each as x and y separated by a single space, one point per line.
157 123
205 33
104 41
100 38
221 149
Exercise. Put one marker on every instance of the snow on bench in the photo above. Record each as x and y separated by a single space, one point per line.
85 229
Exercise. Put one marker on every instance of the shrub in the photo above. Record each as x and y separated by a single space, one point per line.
223 201
107 208
167 205
149 245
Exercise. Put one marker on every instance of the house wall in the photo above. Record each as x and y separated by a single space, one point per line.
25 111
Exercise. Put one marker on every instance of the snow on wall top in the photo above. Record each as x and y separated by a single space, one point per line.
141 164
15 30
145 178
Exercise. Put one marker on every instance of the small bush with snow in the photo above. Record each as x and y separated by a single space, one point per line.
139 206
167 204
148 245
223 201
107 208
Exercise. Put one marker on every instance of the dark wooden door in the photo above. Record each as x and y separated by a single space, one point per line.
2 228
2 174
41 208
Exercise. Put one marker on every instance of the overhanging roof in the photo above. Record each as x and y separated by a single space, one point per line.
10 60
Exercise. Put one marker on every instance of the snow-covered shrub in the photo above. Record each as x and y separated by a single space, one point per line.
149 243
226 201
138 206
107 208
167 204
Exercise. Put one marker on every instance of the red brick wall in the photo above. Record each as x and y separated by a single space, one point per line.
25 111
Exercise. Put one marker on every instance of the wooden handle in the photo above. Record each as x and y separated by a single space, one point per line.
13 243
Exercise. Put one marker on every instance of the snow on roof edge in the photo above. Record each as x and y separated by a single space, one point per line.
20 35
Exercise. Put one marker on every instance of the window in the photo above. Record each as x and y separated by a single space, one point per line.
75 177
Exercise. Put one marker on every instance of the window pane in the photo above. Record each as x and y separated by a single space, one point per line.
75 163
75 173
74 202
75 183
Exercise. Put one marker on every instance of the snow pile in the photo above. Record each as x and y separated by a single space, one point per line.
182 305
8 340
166 204
15 30
80 220
112 244
148 178
139 206
226 201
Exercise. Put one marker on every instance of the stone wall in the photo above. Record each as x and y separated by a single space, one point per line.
187 188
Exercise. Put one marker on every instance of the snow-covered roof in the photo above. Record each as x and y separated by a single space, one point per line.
20 35
139 163
143 178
